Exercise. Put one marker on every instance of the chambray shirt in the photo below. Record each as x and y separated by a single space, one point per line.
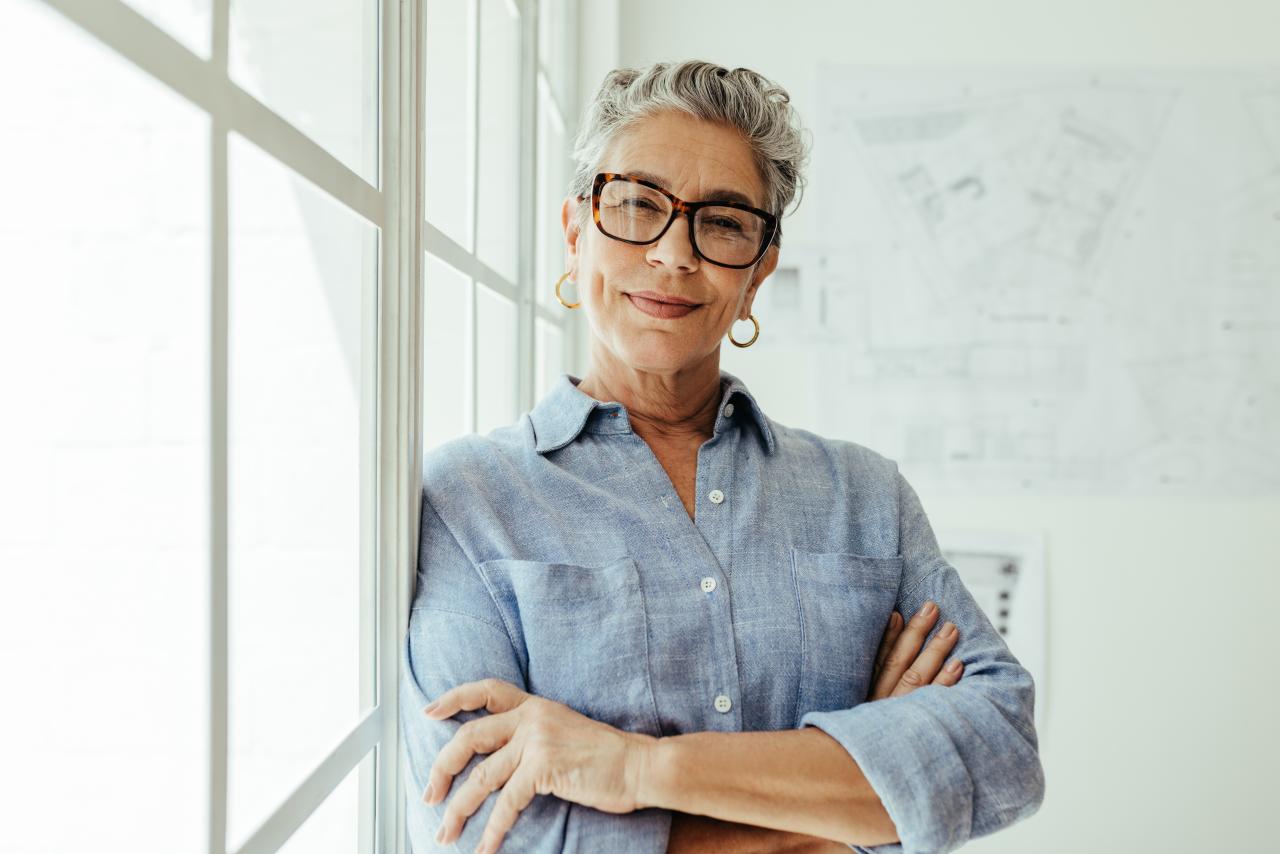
555 554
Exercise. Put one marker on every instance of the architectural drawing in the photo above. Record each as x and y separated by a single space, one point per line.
1048 281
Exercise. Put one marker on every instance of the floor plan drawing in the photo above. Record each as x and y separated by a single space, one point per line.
1048 280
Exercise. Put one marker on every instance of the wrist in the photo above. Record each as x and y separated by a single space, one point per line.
650 758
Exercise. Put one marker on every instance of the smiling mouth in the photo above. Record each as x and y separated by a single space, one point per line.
656 308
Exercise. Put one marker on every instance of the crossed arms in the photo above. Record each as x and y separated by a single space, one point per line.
923 771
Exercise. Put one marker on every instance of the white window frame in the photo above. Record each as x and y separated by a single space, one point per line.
535 77
391 494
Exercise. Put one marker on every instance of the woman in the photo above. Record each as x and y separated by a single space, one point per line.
648 616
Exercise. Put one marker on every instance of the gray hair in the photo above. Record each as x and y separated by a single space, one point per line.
742 99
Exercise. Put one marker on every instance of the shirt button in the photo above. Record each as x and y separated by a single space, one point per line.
728 410
716 496
708 584
723 704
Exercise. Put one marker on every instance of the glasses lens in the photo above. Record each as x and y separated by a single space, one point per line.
632 211
724 235
729 235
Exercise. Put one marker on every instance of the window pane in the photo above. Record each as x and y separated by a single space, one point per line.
497 242
299 266
104 448
316 64
550 357
553 186
556 44
548 26
188 21
447 122
334 828
495 360
446 353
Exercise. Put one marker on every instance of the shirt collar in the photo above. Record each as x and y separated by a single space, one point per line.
566 411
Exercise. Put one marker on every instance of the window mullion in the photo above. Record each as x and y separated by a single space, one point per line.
473 185
528 208
399 385
218 451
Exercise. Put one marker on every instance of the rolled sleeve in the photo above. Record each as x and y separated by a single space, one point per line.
456 635
948 763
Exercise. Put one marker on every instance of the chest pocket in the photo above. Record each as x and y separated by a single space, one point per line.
845 601
585 636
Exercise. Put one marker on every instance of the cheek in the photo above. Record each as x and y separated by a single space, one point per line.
732 291
614 266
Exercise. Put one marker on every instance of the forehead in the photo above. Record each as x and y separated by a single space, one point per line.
698 160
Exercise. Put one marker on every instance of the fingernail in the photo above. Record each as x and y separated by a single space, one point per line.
954 666
426 798
429 709
948 629
440 835
927 610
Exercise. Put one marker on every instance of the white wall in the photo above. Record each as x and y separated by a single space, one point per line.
1160 686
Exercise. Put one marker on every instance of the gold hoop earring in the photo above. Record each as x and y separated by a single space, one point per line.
752 318
562 302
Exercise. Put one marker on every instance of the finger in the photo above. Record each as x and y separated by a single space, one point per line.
904 650
480 735
516 795
891 633
496 695
929 662
950 674
488 776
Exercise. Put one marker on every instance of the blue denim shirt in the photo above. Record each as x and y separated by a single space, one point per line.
556 554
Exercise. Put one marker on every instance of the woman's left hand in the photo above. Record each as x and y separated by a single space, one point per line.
536 746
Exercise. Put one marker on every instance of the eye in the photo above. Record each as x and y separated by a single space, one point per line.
639 202
725 222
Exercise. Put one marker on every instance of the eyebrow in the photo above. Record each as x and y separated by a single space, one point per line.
712 196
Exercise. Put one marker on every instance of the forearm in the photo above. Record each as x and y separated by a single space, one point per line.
801 781
701 834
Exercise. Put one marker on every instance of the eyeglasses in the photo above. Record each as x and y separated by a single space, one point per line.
633 210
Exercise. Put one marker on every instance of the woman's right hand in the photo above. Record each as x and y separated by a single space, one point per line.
901 666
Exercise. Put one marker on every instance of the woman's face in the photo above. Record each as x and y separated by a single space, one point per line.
693 159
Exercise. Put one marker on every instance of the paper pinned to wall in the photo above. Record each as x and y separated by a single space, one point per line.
1046 280
1005 572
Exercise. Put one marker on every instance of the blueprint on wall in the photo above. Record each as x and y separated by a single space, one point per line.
1047 280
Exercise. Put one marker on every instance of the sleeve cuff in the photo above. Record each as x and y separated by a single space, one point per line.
910 761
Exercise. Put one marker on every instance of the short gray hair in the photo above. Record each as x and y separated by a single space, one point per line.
757 107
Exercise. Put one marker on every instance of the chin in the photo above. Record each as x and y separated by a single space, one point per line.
656 358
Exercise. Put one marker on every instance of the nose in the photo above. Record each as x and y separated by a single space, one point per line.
673 249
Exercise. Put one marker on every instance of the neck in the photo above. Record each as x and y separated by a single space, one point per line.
661 405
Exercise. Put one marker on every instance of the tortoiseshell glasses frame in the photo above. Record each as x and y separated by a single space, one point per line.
689 209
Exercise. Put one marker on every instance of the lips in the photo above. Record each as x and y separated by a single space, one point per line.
657 308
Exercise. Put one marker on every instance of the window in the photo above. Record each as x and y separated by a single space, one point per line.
497 168
230 328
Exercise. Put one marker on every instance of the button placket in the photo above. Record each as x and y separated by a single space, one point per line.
714 517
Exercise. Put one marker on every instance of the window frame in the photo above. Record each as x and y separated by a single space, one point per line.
391 408
537 87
